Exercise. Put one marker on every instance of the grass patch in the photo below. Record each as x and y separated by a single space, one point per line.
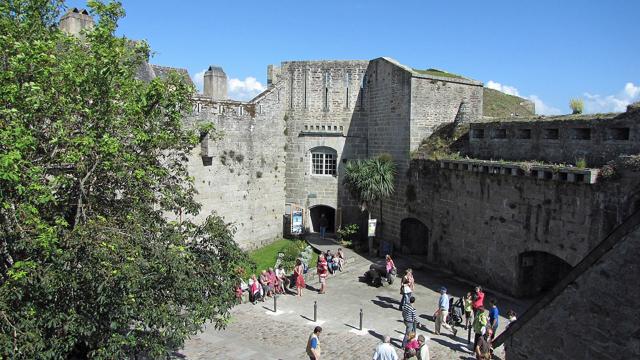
436 72
265 257
500 105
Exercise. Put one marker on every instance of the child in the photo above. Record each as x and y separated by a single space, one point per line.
468 309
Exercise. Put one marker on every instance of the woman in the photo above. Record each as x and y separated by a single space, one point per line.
323 270
468 309
283 281
255 288
341 258
406 288
478 299
412 344
267 288
390 266
298 272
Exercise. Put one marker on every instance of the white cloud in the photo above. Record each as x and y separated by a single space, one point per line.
237 89
541 107
612 103
245 89
198 79
509 90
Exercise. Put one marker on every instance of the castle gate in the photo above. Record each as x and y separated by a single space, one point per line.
539 271
414 237
315 213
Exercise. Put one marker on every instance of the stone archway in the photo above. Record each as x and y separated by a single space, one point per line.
315 213
539 271
414 237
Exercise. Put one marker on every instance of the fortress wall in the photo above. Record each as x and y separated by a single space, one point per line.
597 315
597 139
323 109
242 174
479 223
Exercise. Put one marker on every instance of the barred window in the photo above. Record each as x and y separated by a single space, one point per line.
323 161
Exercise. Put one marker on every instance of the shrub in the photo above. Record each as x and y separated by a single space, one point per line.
576 105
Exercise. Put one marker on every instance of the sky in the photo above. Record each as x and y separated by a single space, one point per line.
546 51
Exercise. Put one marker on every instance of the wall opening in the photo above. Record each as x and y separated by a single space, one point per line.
618 134
523 134
551 134
477 133
316 212
581 134
414 237
500 133
539 271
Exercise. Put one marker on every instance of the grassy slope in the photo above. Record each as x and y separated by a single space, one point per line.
498 104
265 257
436 72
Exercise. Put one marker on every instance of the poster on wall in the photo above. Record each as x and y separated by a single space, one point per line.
296 222
371 228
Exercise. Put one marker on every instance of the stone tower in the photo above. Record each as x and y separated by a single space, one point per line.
74 21
215 83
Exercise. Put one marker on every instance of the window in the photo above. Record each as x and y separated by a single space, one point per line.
551 134
523 134
618 134
323 161
477 133
581 134
500 133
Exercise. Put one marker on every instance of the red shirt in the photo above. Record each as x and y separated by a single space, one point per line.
479 300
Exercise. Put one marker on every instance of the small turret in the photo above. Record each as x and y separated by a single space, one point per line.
215 83
75 20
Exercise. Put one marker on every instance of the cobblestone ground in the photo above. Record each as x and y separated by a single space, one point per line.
256 332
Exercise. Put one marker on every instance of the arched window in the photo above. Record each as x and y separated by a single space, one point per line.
323 161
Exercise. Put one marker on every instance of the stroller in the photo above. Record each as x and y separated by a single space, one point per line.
456 312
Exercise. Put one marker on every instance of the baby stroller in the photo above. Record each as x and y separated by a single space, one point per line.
456 312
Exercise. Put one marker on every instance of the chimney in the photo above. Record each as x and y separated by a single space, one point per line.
273 72
75 20
215 83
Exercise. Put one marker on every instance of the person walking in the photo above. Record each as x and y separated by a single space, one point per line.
409 319
323 272
468 310
298 275
323 225
384 350
478 299
443 312
313 344
494 315
406 289
390 267
480 321
423 350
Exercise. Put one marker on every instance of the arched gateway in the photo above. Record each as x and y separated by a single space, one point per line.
414 237
539 271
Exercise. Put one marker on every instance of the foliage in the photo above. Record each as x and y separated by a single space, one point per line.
500 105
92 170
265 257
576 105
345 232
445 142
581 163
370 180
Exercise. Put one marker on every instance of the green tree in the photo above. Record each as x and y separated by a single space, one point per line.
576 105
96 257
369 181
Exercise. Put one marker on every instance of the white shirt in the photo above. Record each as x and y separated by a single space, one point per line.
385 351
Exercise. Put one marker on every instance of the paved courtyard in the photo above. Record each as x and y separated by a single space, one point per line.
257 332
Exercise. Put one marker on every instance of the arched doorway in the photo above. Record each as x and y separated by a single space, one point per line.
414 236
539 271
315 213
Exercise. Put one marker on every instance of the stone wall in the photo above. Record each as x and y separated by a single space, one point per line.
595 317
479 223
595 138
322 102
241 174
403 108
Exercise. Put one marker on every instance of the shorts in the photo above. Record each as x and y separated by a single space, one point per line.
323 279
467 314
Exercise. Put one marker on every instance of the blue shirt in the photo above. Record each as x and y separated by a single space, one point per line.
444 302
314 342
494 315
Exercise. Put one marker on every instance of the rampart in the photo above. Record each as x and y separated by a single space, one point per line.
597 139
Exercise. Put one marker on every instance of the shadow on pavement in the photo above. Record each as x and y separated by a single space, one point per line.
388 300
453 346
383 304
394 342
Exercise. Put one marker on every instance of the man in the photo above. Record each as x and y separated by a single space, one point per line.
423 350
409 318
479 323
385 351
443 312
323 225
494 315
482 349
313 344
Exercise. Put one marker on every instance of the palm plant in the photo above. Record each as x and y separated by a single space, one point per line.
370 180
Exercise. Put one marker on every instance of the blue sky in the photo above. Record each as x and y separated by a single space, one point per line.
547 51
